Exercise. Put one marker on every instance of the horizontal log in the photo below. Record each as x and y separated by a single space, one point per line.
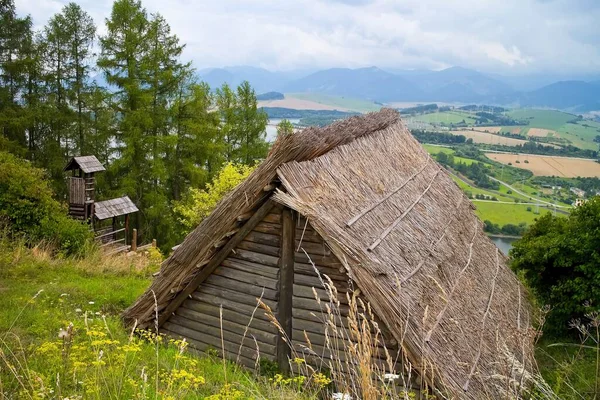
259 248
266 227
274 218
263 238
307 236
256 257
224 294
307 292
206 342
318 249
228 326
222 278
246 277
312 305
253 268
337 342
200 349
309 271
207 330
242 318
337 354
109 233
319 260
228 304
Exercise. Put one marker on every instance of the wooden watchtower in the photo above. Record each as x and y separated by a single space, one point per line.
103 216
82 186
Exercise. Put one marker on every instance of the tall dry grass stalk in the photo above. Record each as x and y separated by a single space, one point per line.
352 355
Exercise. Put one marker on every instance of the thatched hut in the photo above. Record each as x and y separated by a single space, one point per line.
371 209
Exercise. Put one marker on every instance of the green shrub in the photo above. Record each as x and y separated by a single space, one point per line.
560 258
28 208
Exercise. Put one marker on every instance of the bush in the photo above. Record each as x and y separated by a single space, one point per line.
28 208
559 259
199 203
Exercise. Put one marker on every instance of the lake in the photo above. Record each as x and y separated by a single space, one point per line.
503 243
272 127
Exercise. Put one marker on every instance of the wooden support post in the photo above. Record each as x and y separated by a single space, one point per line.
134 240
114 228
286 288
154 243
126 228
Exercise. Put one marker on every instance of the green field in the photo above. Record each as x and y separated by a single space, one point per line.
502 214
546 119
347 103
444 118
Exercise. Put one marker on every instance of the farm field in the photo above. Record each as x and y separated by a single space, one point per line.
299 104
444 118
550 166
502 214
334 102
488 138
547 119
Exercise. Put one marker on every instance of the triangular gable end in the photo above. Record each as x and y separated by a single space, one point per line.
253 269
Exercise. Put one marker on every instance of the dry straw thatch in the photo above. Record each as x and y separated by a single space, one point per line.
407 236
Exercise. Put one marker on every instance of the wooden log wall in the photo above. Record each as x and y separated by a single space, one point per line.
251 271
311 316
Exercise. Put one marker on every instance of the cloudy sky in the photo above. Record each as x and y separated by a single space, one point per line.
503 36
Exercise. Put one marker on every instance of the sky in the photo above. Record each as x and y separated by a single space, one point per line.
512 37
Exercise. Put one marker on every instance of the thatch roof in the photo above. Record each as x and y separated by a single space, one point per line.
114 208
408 238
87 164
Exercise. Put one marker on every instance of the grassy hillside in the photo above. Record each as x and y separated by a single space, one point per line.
61 336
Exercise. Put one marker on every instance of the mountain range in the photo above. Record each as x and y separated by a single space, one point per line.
452 85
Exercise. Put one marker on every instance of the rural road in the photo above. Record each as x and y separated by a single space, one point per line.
525 194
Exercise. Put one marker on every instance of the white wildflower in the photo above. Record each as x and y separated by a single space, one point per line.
390 377
91 302
64 294
63 334
341 396
78 310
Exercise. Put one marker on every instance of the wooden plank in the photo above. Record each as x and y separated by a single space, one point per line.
228 325
243 298
312 305
263 238
208 330
242 317
229 305
286 287
266 227
246 277
201 349
253 268
225 282
273 218
319 249
258 248
335 342
326 261
307 292
258 258
215 261
231 349
308 271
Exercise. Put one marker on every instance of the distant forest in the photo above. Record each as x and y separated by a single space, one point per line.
157 130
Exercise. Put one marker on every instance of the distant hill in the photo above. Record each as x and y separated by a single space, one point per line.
453 85
576 96
270 96
364 83
261 79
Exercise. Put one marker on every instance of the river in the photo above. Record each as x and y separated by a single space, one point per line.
272 127
503 243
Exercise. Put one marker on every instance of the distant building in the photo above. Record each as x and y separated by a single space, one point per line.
578 192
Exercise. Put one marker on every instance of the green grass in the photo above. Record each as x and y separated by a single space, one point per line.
40 295
348 103
580 135
546 119
502 214
445 118
433 149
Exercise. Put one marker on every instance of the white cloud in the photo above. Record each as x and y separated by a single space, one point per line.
493 35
